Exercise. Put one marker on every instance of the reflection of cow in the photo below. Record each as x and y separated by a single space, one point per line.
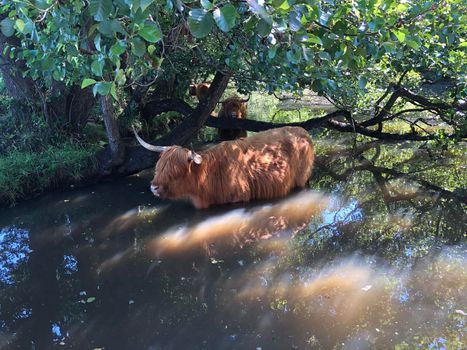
264 166
232 107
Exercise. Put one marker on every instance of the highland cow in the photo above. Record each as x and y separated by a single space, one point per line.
232 107
199 90
261 167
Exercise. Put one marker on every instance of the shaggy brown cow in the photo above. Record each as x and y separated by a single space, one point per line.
199 90
264 166
232 107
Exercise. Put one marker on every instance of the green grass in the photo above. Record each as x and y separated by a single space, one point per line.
25 172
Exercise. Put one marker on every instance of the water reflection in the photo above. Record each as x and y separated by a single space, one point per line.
241 226
367 259
365 303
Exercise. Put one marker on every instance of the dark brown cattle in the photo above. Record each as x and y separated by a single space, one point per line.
199 90
264 166
233 107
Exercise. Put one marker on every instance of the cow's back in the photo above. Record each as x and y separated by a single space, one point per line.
263 166
276 161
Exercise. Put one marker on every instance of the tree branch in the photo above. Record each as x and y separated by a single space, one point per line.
326 121
197 118
254 125
378 118
423 101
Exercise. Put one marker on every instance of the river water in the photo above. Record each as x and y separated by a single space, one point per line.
362 259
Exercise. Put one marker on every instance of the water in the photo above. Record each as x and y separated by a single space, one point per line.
369 261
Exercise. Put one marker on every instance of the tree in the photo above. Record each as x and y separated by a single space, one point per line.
138 51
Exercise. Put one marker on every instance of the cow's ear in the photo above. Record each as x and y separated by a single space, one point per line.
195 157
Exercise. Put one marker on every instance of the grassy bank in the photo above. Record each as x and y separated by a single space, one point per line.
25 173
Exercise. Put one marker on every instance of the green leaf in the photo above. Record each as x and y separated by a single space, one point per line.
315 39
97 67
47 64
225 17
362 82
257 7
151 49
56 75
200 23
120 77
144 4
263 28
413 44
118 48
29 27
331 83
138 47
324 56
100 9
113 91
150 32
87 82
90 299
400 35
20 24
402 8
389 46
101 88
7 27
169 6
294 21
277 3
42 4
97 42
294 56
309 54
463 44
110 28
272 52
207 4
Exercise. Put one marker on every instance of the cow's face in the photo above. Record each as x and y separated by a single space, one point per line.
199 90
173 176
233 107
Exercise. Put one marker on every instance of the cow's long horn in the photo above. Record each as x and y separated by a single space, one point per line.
195 157
247 99
148 146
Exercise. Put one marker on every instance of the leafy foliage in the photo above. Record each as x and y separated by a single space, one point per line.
334 47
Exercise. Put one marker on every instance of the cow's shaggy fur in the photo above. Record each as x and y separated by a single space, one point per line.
232 107
199 90
264 166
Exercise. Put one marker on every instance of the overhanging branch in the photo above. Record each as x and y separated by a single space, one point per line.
327 121
198 116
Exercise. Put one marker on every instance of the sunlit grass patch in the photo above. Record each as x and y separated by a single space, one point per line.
25 171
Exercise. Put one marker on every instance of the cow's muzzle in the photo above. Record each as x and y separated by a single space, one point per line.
155 190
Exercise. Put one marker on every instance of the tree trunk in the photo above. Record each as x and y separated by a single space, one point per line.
68 110
79 104
117 149
21 89
196 120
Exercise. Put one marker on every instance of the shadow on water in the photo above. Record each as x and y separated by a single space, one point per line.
372 258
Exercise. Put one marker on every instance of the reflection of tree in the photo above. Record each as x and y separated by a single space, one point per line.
408 204
92 275
31 302
384 174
